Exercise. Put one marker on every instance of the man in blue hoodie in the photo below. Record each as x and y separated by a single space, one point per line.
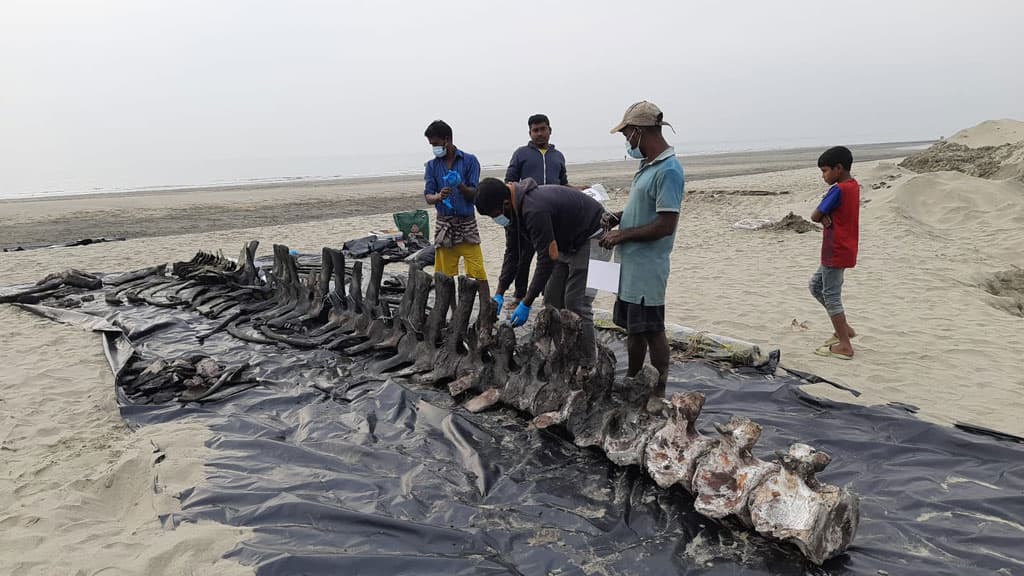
540 161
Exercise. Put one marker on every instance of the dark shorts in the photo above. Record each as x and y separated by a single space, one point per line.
638 318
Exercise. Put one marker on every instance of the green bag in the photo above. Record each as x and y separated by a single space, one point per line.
413 224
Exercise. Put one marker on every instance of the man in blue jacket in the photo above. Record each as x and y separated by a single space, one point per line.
560 223
540 161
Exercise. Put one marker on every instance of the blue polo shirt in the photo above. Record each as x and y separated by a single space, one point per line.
468 167
657 187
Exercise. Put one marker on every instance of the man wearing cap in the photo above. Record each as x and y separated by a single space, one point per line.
560 223
644 240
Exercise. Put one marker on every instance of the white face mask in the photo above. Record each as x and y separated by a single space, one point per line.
439 151
501 220
635 152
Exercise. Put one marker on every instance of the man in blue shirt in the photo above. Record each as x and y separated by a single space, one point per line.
540 161
646 235
450 182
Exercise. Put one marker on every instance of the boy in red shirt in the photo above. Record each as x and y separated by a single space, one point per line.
839 215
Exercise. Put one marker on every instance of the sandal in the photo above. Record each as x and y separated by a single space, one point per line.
827 352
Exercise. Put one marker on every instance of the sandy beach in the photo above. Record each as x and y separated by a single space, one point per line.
76 486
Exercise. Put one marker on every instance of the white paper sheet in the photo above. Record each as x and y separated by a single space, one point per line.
603 276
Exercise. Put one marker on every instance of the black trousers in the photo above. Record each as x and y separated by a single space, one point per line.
526 252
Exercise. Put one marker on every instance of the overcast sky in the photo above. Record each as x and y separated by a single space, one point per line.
100 86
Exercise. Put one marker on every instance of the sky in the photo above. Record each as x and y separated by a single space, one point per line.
146 92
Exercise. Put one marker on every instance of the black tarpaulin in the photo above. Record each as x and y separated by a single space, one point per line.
340 471
80 242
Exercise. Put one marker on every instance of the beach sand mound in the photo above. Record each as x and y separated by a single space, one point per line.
992 150
990 133
1008 288
980 220
792 222
950 200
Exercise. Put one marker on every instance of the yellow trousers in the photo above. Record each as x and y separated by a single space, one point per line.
446 260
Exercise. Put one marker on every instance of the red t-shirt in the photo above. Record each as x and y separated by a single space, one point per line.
839 241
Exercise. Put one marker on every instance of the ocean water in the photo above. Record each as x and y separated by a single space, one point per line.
154 174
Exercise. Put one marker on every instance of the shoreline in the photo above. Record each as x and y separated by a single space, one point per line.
316 181
146 214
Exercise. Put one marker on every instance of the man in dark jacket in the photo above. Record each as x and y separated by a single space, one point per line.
560 223
540 161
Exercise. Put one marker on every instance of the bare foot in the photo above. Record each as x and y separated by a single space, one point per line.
840 349
851 332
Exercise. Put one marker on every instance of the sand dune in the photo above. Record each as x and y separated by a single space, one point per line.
993 150
981 214
990 133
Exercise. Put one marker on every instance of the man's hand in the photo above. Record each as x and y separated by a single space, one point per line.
452 179
444 193
609 221
520 315
499 300
826 221
612 239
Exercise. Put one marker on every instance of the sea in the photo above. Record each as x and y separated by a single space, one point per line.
162 174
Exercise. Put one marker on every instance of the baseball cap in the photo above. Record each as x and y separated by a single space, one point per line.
642 113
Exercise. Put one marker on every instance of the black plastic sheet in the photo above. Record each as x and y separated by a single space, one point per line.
80 242
340 471
392 250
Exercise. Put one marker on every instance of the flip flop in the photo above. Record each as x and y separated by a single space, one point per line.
826 351
833 339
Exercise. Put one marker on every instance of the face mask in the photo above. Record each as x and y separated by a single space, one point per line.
501 220
635 153
439 151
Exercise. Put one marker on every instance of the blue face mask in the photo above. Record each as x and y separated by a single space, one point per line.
635 153
439 151
501 220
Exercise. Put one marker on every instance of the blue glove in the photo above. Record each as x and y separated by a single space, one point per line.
520 315
500 301
452 179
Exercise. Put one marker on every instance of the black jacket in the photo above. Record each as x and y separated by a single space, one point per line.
546 214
